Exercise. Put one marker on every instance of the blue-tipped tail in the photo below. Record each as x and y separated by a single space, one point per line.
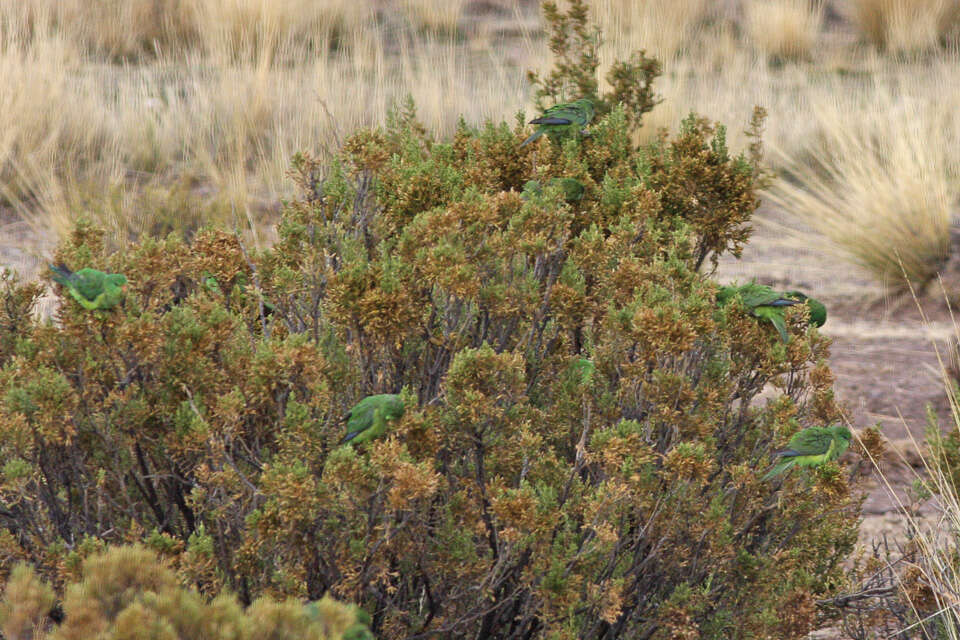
534 136
61 274
778 469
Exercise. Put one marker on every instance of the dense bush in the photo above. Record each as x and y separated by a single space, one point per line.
127 594
517 497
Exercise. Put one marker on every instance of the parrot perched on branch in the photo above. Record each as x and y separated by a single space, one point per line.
812 447
572 188
562 120
368 418
91 288
767 304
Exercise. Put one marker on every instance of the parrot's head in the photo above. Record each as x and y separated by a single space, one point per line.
725 294
842 432
587 105
818 312
118 280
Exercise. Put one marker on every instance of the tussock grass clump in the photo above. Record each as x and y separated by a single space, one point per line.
220 30
219 118
784 29
664 28
881 190
906 26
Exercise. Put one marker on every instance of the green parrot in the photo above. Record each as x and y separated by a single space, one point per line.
767 304
91 288
818 312
368 419
572 188
813 447
562 120
357 631
211 284
582 370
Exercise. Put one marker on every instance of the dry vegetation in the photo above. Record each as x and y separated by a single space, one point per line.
152 115
159 115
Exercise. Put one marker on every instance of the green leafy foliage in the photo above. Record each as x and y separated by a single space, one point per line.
575 44
523 493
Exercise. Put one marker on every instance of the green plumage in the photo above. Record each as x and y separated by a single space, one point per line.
767 304
369 418
572 189
562 121
91 288
359 630
211 284
818 312
812 447
582 370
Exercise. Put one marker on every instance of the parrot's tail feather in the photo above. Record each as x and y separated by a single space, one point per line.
784 302
61 274
788 453
781 326
350 436
551 120
778 469
534 136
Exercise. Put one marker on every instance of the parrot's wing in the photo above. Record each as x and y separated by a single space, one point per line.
757 295
561 114
89 283
810 442
552 120
775 316
360 418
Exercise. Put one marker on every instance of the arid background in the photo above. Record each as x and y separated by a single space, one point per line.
151 116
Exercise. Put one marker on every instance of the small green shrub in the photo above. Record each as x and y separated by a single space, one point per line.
517 497
575 44
127 593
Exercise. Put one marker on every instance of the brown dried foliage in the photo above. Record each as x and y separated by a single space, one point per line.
516 498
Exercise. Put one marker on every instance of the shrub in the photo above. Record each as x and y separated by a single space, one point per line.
128 593
575 44
517 497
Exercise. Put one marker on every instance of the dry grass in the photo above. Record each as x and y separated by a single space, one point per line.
665 28
214 97
928 577
876 173
216 122
784 29
906 26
